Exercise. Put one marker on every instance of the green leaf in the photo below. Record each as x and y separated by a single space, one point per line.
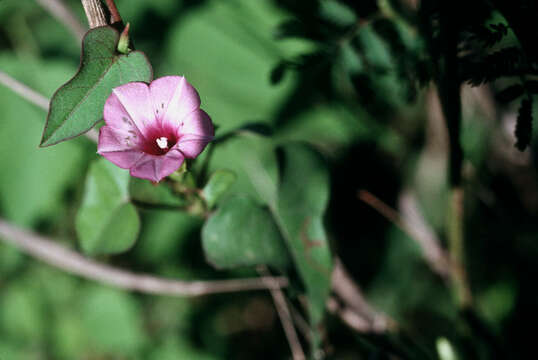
337 12
219 183
112 320
252 158
107 222
243 233
78 105
376 51
21 312
69 337
10 258
302 198
328 128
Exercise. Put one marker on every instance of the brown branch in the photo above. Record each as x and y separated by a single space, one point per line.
284 315
24 91
95 13
300 323
349 317
415 227
358 315
445 265
356 312
60 11
418 229
58 256
35 98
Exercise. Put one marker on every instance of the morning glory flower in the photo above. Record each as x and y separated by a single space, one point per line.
151 129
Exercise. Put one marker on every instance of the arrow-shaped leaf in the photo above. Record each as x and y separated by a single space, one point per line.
78 105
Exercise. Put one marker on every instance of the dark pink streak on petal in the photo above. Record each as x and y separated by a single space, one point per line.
185 99
116 117
162 90
116 150
135 99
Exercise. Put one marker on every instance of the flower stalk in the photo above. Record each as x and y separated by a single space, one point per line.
94 13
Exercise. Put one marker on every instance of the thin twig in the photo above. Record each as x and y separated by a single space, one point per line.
60 11
72 262
419 230
95 13
449 267
364 317
284 315
415 227
300 322
35 98
24 91
58 256
348 316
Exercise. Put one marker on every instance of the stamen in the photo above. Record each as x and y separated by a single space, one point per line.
162 142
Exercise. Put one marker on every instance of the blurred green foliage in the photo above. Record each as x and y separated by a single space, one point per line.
341 78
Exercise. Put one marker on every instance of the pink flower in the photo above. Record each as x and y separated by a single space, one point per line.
151 129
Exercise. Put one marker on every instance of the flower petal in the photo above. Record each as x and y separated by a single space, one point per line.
115 149
135 99
197 123
119 120
162 90
173 98
195 132
138 116
157 167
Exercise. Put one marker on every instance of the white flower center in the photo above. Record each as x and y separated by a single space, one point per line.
162 142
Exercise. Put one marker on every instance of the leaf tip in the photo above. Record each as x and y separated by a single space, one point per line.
45 141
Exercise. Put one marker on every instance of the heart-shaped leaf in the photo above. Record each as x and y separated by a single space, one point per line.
78 105
243 233
107 222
